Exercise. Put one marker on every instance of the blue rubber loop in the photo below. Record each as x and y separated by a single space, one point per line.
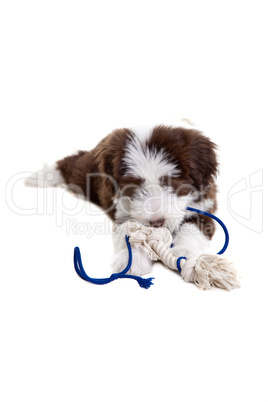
198 211
144 283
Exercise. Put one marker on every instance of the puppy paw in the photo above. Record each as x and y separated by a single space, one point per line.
141 264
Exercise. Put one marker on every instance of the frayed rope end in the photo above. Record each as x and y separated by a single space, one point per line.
145 283
215 271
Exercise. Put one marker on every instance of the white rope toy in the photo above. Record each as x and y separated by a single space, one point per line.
208 270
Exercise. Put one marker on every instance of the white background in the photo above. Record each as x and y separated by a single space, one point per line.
71 71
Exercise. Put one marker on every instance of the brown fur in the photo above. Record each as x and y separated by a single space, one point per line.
104 161
193 153
195 156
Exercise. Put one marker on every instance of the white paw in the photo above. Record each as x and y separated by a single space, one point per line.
141 264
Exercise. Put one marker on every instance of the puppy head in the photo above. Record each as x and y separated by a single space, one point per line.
164 174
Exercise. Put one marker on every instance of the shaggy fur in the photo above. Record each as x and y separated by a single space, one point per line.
148 176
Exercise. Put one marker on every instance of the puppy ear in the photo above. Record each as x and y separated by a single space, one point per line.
194 153
200 159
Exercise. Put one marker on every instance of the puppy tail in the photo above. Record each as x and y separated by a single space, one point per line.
49 176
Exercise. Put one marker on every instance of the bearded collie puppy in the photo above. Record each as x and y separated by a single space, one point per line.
149 175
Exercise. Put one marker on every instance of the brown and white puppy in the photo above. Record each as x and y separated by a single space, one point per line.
148 175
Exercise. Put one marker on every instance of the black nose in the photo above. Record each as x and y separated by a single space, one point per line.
157 223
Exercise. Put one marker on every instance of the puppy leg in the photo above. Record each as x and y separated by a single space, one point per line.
141 263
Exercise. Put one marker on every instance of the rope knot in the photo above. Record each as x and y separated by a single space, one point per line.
156 242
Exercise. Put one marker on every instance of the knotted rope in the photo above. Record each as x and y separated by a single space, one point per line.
206 272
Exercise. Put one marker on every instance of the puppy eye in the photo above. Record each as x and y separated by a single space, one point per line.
163 180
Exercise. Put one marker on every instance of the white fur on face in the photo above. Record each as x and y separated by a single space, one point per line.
156 202
151 201
147 164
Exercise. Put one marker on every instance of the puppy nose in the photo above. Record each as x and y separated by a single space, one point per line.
157 223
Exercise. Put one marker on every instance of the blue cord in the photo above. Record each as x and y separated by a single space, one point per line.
198 211
179 263
144 283
219 221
